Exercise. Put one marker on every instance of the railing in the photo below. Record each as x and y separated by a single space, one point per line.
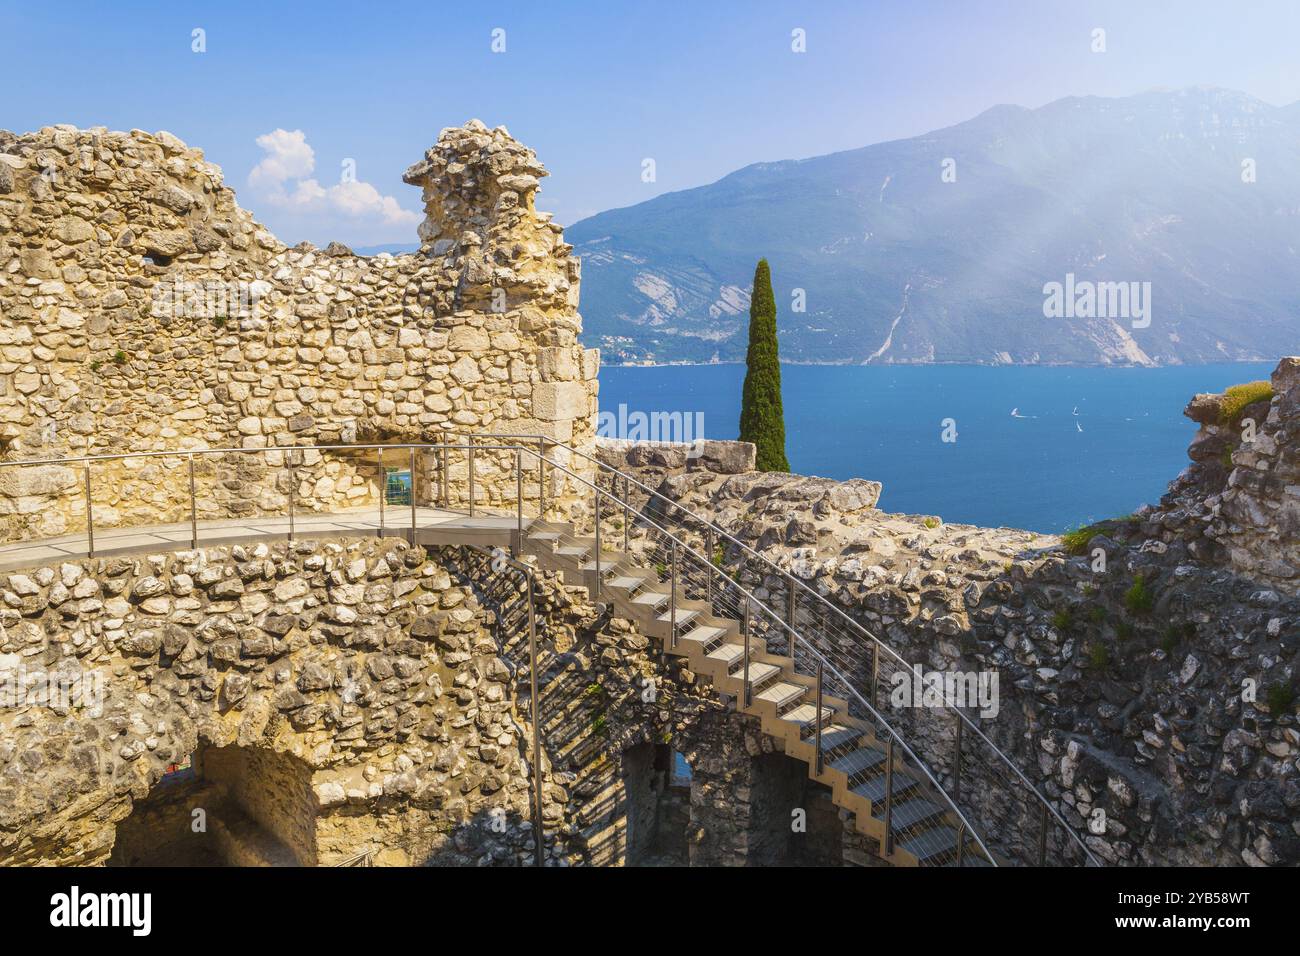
1032 830
974 769
831 651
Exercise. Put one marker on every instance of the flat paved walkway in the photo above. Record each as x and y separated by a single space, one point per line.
433 526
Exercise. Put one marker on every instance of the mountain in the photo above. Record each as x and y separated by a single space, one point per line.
899 265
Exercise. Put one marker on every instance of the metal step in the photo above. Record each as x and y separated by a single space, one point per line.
650 598
726 654
904 815
837 736
859 761
930 844
540 535
874 789
607 561
683 615
781 694
757 673
624 582
572 551
706 634
804 715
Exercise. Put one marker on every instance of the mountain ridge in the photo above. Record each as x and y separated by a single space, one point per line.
898 265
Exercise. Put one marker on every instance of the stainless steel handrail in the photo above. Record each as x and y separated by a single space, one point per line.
828 607
807 646
541 441
855 625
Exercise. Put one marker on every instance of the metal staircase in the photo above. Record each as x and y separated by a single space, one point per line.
927 784
894 804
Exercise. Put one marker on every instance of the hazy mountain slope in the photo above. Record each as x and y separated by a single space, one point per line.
901 266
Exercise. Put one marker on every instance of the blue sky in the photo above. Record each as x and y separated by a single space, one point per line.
703 88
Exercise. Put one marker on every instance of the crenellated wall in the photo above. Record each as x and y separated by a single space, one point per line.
141 308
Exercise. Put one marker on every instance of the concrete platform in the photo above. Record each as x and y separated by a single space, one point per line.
433 526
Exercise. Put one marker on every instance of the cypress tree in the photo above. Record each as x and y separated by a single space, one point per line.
761 419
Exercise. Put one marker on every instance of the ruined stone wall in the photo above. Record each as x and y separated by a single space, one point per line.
1152 696
346 698
1255 516
141 308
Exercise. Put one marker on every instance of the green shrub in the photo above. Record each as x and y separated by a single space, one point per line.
1138 598
932 522
1063 619
1097 615
1123 630
1098 655
1236 398
1280 698
119 357
96 365
1076 540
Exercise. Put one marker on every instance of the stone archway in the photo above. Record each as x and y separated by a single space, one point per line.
233 806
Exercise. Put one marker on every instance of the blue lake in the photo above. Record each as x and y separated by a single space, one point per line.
1048 470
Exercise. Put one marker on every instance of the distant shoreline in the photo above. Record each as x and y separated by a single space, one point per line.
1253 361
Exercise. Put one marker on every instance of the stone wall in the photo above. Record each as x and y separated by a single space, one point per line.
1148 680
1239 501
357 697
141 308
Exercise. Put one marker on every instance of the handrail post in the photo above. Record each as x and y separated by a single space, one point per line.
1042 835
956 773
875 673
541 477
627 516
383 487
744 627
672 595
961 841
471 475
791 601
519 502
194 516
442 477
817 717
538 847
708 553
412 494
596 515
293 489
889 796
90 518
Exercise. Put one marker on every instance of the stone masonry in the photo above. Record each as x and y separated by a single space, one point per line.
1151 673
141 308
360 697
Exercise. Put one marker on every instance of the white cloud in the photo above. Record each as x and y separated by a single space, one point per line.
282 178
288 156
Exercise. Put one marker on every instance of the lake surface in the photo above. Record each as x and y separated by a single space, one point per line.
1047 470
